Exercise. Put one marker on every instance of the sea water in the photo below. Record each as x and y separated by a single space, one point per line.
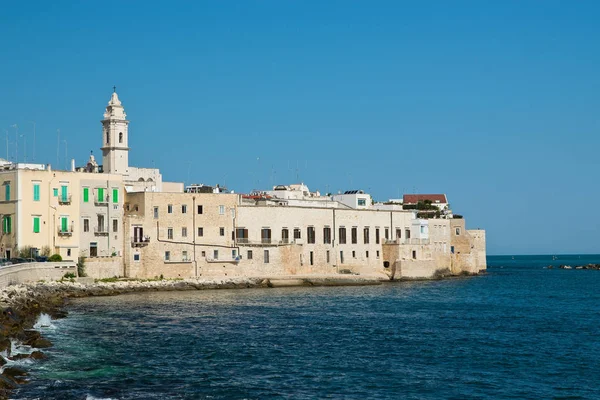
521 331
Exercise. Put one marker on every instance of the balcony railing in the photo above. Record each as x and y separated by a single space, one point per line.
64 199
101 201
65 232
100 231
267 242
140 241
406 241
227 259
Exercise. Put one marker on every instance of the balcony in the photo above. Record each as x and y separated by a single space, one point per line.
101 201
140 241
262 242
406 241
64 199
100 231
65 232
229 259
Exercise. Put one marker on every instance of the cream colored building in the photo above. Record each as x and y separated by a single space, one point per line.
43 208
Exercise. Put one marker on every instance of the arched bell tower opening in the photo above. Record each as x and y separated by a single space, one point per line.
115 127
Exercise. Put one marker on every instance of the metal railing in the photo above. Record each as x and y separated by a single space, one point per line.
101 200
64 199
67 232
100 231
406 241
140 241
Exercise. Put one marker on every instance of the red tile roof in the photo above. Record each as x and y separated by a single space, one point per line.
415 198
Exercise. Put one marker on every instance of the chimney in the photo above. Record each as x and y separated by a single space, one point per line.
72 165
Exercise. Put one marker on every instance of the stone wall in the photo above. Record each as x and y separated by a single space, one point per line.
104 267
33 272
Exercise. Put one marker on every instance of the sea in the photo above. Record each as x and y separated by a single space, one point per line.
520 331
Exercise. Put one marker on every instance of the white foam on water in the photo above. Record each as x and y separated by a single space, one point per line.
90 397
44 321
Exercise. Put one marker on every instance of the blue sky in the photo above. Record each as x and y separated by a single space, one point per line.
495 104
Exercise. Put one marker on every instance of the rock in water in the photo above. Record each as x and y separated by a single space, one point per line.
41 343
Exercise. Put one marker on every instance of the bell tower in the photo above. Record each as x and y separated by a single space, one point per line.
115 138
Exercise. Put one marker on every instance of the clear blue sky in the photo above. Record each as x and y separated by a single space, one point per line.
495 104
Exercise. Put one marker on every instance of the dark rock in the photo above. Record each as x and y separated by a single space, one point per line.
28 337
16 374
41 343
38 355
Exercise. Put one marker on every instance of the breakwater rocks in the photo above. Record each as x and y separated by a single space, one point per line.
587 266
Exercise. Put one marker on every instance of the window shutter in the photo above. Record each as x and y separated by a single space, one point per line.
101 194
115 195
63 193
63 224
86 195
8 224
7 192
36 192
36 225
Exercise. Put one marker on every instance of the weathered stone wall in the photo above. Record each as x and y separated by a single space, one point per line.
414 269
104 267
33 272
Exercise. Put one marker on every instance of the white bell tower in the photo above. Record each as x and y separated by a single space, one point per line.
115 150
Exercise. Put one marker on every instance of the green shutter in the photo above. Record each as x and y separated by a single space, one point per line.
63 224
36 224
36 192
5 224
7 192
8 225
101 194
63 193
86 195
55 192
115 195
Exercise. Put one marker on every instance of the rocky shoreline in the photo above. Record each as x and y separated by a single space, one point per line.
22 306
587 266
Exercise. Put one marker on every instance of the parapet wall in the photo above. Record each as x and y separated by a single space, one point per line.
104 267
33 272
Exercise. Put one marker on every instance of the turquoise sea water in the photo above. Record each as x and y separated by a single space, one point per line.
518 332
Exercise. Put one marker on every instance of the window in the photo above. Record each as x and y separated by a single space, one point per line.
353 254
328 259
362 202
221 210
136 257
387 234
55 192
451 248
200 231
241 235
184 256
310 234
367 254
354 235
366 235
341 257
64 224
216 254
36 192
115 196
342 238
297 233
36 224
377 253
376 235
170 209
233 254
7 224
64 193
155 212
101 223
222 231
86 195
312 258
422 229
199 209
457 230
266 256
203 254
183 232
414 254
327 235
398 233
115 225
7 192
169 233
167 255
107 137
184 209
120 137
101 197
69 252
265 235
86 225
249 255
285 235
407 233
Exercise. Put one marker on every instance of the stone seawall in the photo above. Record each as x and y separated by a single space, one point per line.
33 272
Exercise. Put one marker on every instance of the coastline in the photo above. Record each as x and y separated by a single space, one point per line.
23 305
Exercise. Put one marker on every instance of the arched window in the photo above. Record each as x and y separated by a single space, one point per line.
120 137
107 137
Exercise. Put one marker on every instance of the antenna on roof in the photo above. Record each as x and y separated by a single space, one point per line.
114 89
